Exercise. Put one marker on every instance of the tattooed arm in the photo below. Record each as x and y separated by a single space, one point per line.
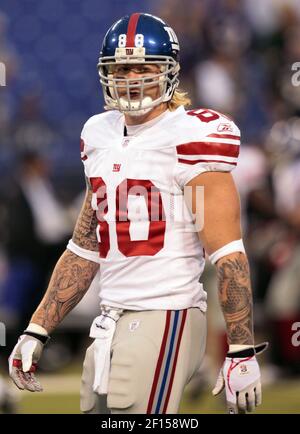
84 234
221 226
72 275
236 298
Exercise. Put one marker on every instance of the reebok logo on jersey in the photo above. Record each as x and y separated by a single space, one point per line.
225 127
116 167
125 142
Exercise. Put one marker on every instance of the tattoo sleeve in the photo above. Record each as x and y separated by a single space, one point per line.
72 275
84 234
236 298
70 280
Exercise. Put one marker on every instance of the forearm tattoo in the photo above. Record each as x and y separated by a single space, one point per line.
84 234
70 280
236 298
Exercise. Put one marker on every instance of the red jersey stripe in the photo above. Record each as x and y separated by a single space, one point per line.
225 136
208 148
131 29
181 160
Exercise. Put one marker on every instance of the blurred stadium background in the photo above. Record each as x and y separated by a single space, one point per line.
236 57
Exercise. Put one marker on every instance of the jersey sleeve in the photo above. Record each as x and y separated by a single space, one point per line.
217 151
87 149
91 136
84 152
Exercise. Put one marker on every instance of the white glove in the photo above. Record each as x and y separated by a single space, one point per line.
240 375
23 361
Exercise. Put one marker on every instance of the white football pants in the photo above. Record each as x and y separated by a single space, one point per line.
154 354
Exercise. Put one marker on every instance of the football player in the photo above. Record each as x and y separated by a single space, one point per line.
159 194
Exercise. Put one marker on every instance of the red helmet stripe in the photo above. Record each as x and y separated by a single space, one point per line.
133 20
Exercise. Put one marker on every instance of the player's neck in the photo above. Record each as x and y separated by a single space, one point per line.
152 114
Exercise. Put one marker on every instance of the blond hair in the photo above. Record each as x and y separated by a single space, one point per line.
179 98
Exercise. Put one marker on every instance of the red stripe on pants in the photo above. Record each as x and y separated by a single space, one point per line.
175 362
159 362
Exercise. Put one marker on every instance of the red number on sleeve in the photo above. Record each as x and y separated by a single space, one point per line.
204 115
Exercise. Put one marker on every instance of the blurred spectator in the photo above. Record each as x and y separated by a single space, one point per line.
283 296
36 231
10 66
251 177
8 54
212 74
30 130
192 44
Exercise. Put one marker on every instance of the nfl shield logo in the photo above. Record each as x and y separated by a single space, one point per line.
134 325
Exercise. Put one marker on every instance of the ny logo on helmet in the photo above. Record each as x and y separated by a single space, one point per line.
173 37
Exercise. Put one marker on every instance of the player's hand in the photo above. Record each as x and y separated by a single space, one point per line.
240 376
23 361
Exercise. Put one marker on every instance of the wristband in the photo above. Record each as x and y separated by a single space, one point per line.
233 247
42 338
248 352
36 328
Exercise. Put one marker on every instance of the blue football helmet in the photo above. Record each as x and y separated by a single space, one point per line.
138 39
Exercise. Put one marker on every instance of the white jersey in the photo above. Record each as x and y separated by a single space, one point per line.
149 252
